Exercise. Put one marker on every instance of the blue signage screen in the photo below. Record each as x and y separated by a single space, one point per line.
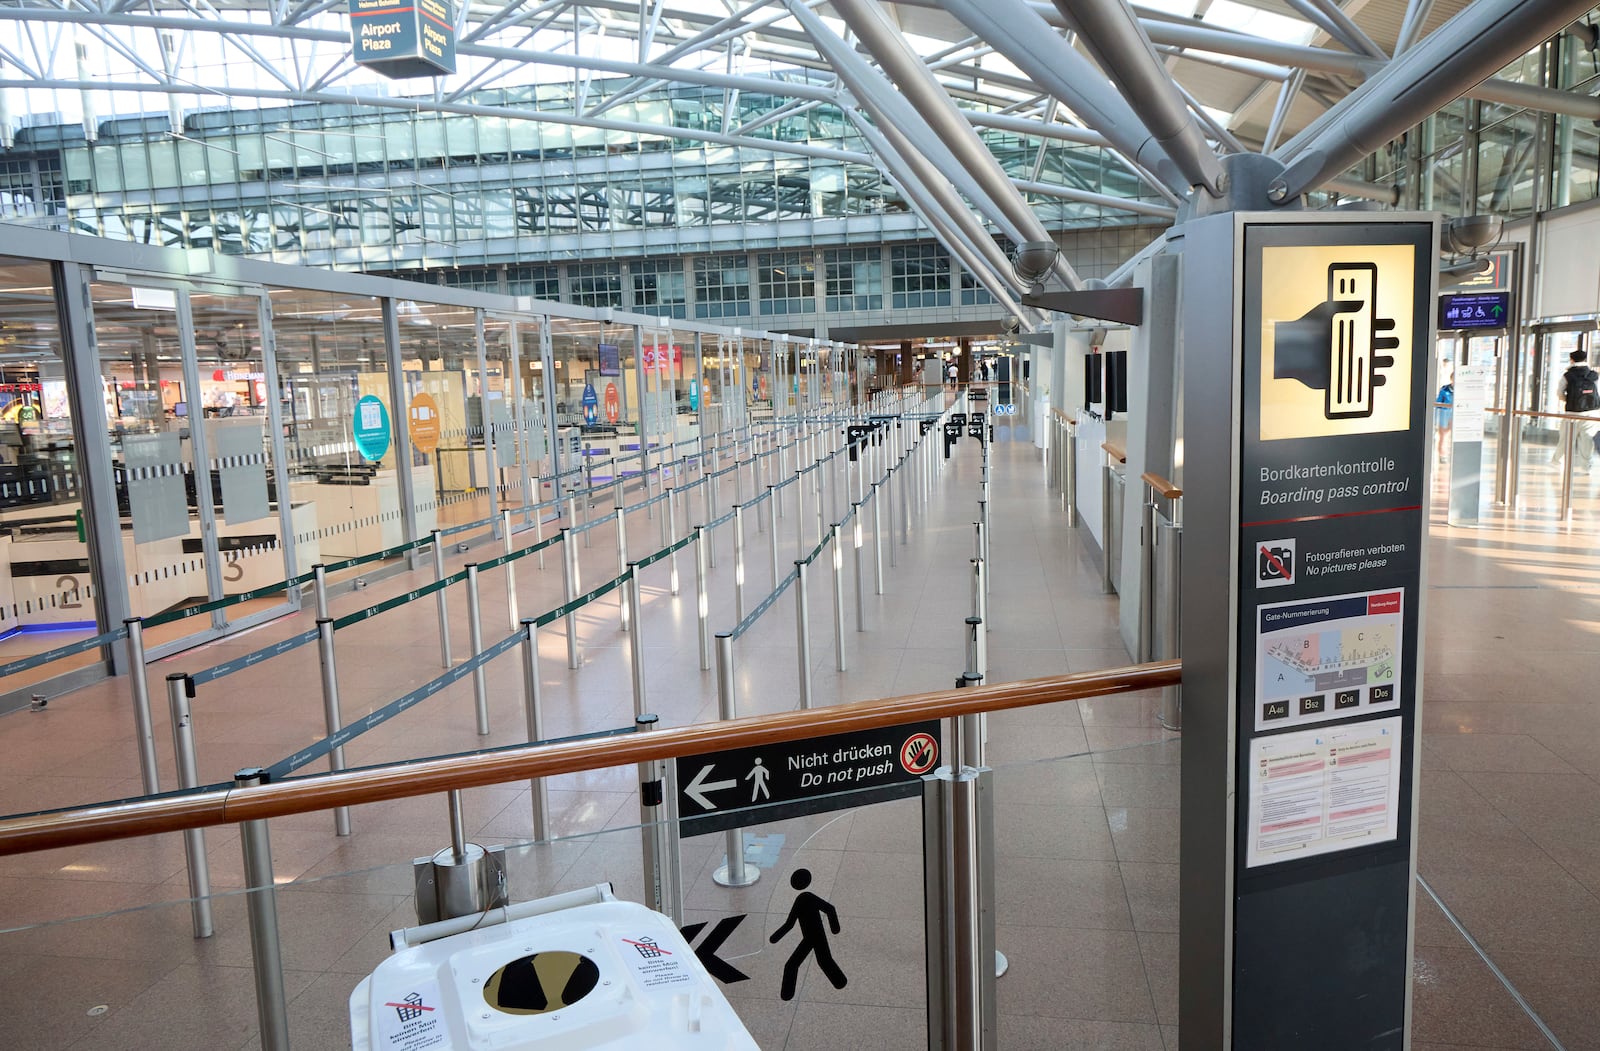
1474 310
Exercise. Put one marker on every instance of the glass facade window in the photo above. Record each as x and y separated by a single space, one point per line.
659 288
853 279
972 291
596 284
787 282
478 279
540 282
921 276
722 286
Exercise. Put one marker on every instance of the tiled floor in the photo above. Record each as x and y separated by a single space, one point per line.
1086 799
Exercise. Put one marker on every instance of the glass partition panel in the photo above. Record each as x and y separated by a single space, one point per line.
661 368
620 398
151 416
449 459
576 356
46 596
521 448
233 406
332 365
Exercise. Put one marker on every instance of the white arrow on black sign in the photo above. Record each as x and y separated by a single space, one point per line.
697 788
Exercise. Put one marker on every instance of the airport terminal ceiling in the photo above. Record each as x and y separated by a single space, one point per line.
584 131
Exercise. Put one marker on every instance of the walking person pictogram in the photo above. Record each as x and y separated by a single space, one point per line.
807 911
759 774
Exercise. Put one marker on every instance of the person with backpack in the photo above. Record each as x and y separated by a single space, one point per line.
1579 392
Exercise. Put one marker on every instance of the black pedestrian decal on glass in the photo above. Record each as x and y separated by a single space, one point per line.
807 913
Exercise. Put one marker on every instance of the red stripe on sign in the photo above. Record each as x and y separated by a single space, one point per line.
1320 518
383 14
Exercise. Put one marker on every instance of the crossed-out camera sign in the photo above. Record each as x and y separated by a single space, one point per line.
1005 410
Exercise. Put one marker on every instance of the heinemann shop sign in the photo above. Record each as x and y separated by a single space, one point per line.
401 38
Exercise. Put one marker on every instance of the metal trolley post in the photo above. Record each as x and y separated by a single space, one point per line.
180 690
480 686
266 950
143 730
533 703
738 561
702 600
441 603
622 562
569 589
802 622
511 570
838 598
330 713
735 873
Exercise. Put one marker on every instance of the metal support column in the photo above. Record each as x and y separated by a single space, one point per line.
569 591
440 601
802 627
958 880
144 738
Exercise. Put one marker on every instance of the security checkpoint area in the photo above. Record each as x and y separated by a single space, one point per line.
962 526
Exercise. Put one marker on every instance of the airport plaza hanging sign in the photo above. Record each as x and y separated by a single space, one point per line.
404 38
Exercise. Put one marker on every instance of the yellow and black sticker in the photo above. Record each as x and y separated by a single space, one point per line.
541 983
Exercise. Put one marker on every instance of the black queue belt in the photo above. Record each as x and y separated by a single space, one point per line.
390 710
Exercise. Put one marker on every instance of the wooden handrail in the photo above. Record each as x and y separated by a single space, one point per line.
97 823
1115 451
1162 486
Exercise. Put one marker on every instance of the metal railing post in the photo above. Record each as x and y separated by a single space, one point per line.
538 531
735 873
799 511
266 950
861 576
533 703
980 612
144 735
702 600
672 529
440 601
772 530
838 598
180 690
319 586
877 540
782 471
738 561
958 881
713 502
569 589
1107 586
802 622
622 563
511 572
330 713
480 685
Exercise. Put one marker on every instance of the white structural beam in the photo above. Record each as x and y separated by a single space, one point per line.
1482 38
901 64
1027 40
1119 44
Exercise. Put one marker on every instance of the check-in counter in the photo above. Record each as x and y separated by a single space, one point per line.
355 520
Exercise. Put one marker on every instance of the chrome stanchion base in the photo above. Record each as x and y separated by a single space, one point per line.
722 879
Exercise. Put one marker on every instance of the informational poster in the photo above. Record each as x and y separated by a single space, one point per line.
1318 791
1471 395
1328 658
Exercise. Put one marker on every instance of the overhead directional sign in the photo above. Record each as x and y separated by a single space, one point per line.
404 38
748 786
1474 310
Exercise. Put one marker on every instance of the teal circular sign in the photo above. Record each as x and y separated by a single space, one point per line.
371 427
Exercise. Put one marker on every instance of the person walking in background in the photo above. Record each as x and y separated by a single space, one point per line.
951 373
1579 391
